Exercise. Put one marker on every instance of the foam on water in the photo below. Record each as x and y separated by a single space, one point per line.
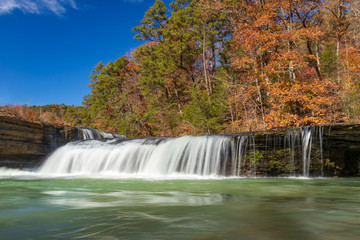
82 199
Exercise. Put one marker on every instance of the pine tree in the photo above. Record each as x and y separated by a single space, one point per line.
153 24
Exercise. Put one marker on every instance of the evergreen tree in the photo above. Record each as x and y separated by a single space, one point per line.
153 24
219 66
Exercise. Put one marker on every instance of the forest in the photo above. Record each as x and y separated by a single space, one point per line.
222 66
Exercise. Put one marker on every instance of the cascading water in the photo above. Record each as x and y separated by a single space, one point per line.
292 139
238 152
90 134
209 155
306 135
321 133
254 160
147 157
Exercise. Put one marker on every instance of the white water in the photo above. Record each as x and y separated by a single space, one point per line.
239 151
146 157
209 156
306 134
321 133
292 139
90 134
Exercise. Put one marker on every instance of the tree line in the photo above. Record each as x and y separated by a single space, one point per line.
216 66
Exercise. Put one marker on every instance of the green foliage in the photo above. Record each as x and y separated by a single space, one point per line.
77 116
329 61
153 24
277 160
204 67
205 112
110 104
256 157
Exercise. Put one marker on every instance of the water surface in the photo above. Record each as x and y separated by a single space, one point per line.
234 208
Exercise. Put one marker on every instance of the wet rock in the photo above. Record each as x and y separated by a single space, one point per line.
333 150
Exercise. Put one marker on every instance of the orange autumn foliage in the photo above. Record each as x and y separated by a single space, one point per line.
274 49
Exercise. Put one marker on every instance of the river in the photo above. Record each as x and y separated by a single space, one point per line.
34 206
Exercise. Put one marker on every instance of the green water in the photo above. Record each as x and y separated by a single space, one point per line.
60 208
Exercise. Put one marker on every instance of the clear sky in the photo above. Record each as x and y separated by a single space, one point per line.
48 48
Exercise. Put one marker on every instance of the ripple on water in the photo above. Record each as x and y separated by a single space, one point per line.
83 199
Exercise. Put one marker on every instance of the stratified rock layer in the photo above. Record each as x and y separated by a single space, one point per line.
333 150
342 146
25 144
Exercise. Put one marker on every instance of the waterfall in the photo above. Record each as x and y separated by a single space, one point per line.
306 135
254 160
148 157
292 139
90 133
321 133
238 152
247 154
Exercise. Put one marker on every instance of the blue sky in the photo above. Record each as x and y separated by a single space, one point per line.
48 48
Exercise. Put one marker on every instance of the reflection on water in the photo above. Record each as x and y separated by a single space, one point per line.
74 199
179 209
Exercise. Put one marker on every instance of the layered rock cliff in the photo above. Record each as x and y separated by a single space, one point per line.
25 144
329 150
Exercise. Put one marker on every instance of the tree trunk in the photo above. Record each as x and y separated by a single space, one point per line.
177 95
205 65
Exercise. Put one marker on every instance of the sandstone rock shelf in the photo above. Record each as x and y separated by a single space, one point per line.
25 144
334 151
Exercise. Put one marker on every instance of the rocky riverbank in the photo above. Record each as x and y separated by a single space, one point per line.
25 144
329 150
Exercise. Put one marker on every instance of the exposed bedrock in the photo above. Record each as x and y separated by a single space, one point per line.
328 150
25 144
315 151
